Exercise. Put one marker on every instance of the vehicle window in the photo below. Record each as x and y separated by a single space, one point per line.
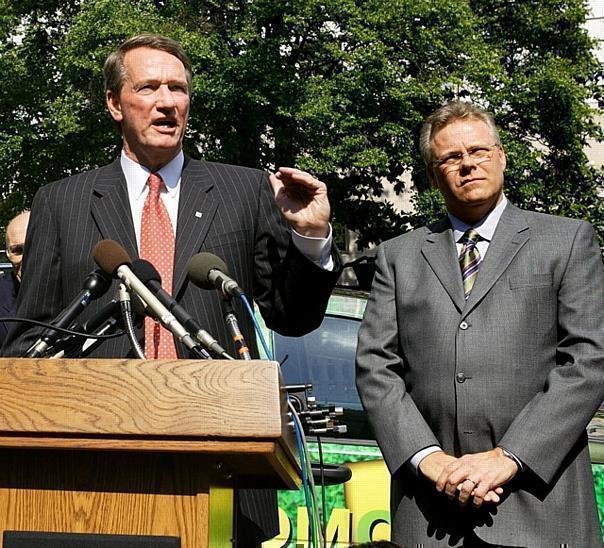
325 359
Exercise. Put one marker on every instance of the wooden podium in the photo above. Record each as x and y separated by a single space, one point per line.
136 447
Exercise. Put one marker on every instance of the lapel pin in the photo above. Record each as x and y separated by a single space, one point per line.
198 214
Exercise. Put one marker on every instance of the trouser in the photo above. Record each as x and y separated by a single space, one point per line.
256 517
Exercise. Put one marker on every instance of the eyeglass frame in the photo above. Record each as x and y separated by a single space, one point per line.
16 249
462 155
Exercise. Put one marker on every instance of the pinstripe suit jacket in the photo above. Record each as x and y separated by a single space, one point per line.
520 363
226 210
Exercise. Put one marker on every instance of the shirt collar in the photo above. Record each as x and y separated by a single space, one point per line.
137 174
485 227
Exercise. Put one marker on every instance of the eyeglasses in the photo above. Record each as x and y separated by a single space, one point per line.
478 155
15 249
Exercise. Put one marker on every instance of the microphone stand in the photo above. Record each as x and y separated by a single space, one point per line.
124 304
91 344
126 309
232 324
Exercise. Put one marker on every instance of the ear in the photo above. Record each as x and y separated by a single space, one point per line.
114 106
502 157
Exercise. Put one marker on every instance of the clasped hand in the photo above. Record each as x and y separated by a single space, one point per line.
478 477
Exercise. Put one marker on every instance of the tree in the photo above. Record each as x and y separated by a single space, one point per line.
339 87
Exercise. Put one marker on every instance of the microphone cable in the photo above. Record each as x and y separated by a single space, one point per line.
323 497
65 330
250 312
310 493
126 309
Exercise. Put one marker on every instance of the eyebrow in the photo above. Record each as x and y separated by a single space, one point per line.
468 147
159 81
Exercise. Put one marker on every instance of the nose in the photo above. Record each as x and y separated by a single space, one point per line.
165 98
467 159
467 162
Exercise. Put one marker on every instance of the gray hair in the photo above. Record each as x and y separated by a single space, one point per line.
114 70
451 112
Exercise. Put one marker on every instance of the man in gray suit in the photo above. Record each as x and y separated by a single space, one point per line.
274 237
481 358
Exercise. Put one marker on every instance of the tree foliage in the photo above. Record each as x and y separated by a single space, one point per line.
339 87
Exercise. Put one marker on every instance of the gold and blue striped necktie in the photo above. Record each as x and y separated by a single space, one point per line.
469 260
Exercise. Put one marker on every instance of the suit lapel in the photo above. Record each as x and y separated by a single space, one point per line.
110 208
196 209
511 234
439 250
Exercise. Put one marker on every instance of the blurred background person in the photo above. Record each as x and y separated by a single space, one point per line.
11 281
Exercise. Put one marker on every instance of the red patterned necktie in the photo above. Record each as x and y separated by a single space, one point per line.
157 247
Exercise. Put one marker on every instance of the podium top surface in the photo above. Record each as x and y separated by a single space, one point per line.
207 406
194 398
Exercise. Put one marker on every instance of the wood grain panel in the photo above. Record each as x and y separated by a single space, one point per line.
110 493
137 397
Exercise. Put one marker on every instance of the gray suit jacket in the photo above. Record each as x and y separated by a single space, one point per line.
226 210
520 363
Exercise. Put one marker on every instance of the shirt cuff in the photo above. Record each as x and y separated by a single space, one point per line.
511 455
317 250
421 455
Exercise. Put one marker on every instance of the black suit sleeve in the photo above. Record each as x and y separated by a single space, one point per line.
290 290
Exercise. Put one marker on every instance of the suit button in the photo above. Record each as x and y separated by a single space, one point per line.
460 377
464 325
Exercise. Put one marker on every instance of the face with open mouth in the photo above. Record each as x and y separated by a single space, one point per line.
468 168
152 107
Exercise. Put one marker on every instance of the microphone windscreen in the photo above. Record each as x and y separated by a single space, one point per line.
199 267
110 255
145 271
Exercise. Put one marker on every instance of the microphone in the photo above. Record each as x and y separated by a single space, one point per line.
95 285
107 320
112 258
110 316
70 345
148 274
122 312
208 271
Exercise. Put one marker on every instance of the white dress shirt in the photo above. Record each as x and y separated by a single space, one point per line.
485 227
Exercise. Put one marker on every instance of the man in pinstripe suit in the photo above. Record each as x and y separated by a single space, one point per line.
480 378
275 238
